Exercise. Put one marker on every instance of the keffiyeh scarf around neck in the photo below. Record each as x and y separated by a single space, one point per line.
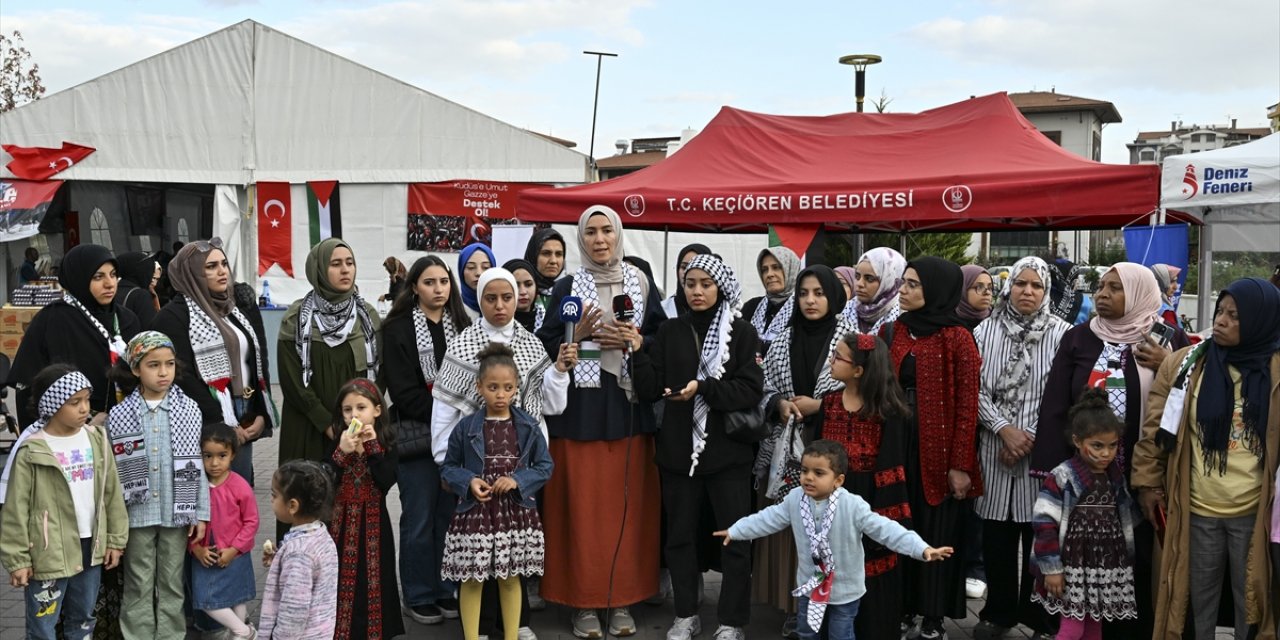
54 397
587 374
130 446
333 322
780 322
213 357
818 587
426 344
115 343
715 345
455 383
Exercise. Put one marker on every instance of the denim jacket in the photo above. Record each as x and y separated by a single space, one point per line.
465 459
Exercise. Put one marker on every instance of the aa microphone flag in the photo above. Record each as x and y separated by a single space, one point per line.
324 211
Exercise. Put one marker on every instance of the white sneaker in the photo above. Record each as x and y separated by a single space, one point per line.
525 633
586 624
729 633
685 628
975 588
621 623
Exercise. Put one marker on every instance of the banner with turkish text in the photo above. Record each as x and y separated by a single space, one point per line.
41 163
324 212
447 216
23 204
275 218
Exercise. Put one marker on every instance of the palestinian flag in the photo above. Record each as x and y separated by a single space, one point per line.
324 211
23 204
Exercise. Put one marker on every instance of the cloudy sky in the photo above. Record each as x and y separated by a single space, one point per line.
679 62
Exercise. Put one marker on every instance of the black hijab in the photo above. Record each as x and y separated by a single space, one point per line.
943 284
811 338
531 256
137 268
77 270
682 305
1258 305
527 319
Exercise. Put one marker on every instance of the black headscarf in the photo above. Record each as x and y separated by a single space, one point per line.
943 284
77 270
137 268
1064 300
527 319
682 305
811 338
1258 303
531 256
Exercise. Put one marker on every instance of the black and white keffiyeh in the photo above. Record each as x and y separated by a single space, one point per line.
586 374
1024 331
715 345
213 361
115 343
130 446
426 345
54 397
539 315
455 383
776 327
333 321
818 587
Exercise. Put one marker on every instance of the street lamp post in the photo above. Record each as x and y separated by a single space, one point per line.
595 105
860 62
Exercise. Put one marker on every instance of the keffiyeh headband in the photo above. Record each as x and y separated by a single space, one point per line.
145 343
715 345
54 397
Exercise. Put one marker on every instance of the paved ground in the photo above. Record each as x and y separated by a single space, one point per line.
551 624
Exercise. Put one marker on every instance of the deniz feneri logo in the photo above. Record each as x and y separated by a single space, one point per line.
1190 186
1214 181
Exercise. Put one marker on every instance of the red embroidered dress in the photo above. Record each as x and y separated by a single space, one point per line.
368 596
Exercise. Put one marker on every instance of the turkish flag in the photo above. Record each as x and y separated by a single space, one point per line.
275 219
40 163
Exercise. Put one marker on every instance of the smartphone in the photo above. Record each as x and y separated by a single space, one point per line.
1161 521
1162 332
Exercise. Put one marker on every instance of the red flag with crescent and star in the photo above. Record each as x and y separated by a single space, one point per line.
275 240
41 163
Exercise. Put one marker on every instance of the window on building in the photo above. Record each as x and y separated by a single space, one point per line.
1209 137
1097 146
184 235
1013 245
1147 155
1055 136
1195 137
99 233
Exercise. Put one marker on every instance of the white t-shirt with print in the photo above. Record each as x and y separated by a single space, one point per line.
75 454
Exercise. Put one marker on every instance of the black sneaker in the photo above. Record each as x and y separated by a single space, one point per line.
449 607
931 629
425 614
789 631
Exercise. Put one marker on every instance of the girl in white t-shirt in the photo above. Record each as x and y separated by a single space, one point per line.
64 517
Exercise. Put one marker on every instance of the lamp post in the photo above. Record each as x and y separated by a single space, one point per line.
591 153
860 62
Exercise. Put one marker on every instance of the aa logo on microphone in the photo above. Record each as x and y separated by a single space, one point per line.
570 308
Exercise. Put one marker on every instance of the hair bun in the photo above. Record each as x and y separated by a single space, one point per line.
495 350
1093 398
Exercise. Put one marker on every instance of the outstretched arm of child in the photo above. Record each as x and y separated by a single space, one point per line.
932 554
767 521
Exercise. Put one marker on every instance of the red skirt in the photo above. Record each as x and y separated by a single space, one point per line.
582 515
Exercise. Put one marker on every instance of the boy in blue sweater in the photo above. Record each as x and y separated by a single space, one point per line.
828 523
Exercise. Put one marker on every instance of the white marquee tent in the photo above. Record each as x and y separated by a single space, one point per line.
247 104
1236 192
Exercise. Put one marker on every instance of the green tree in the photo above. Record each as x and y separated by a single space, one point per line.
952 246
19 78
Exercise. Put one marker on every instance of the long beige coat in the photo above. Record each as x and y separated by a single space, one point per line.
1155 468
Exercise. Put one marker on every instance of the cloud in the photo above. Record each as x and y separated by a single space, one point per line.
1133 44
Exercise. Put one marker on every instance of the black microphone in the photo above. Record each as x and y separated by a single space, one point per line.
623 309
570 314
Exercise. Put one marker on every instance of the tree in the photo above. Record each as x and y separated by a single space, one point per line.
951 246
882 103
18 83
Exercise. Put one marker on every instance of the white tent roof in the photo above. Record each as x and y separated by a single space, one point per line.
1234 184
249 103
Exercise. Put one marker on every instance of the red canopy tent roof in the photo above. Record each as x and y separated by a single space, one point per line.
973 165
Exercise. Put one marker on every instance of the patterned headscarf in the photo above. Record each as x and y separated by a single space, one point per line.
145 343
1024 331
715 345
790 263
889 266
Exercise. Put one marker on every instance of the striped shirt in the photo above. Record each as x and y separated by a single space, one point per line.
1010 492
299 601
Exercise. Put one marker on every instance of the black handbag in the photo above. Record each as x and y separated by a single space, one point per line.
743 425
413 437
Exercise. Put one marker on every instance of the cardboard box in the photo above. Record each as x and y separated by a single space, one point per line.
16 319
9 345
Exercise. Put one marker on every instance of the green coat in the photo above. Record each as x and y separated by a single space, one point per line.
38 527
308 411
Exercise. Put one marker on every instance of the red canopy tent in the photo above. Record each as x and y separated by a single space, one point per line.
973 165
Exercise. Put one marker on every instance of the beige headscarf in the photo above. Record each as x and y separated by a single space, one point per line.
608 277
186 274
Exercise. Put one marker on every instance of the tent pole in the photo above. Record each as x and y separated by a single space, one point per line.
902 243
1204 306
666 246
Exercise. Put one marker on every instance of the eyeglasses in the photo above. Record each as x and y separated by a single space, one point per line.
206 245
837 356
983 289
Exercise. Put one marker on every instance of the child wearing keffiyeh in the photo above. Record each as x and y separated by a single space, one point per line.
155 433
828 523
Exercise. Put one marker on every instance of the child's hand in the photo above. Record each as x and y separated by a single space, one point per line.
20 578
1055 585
206 556
347 442
504 484
268 552
225 556
481 490
366 433
112 558
941 553
196 531
725 535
